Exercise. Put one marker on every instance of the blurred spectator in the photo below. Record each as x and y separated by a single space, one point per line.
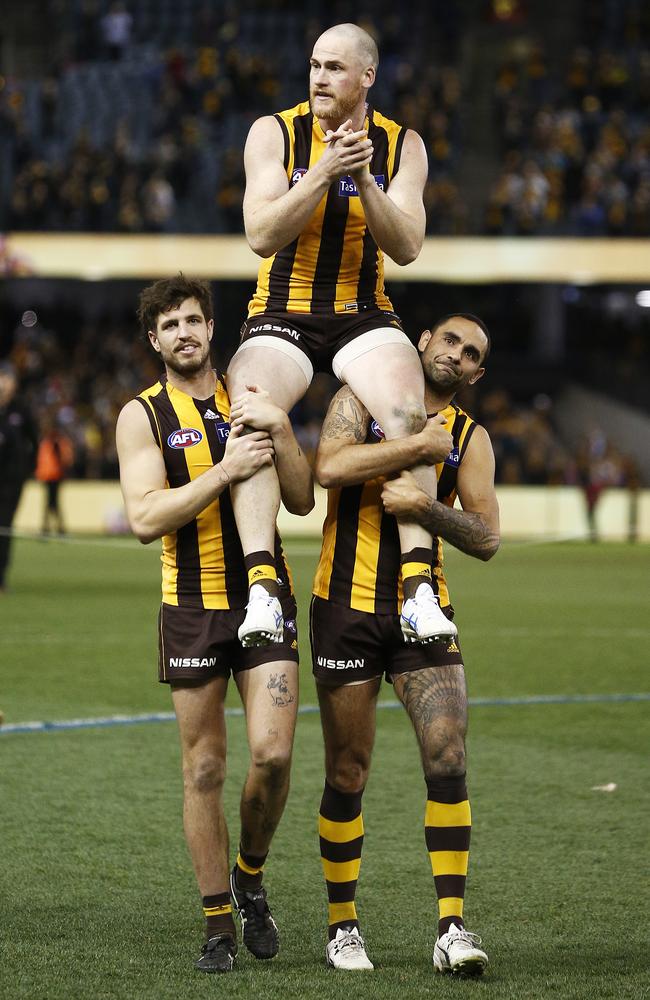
600 466
116 30
53 460
158 202
18 443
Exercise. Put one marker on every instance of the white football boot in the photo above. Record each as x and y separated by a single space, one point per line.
422 620
264 622
458 952
347 951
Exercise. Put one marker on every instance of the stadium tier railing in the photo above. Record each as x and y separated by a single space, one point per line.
445 259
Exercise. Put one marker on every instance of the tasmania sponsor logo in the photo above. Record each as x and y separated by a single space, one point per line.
223 431
324 661
453 458
348 189
187 437
195 662
376 430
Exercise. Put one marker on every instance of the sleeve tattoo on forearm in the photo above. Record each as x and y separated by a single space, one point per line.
466 531
346 418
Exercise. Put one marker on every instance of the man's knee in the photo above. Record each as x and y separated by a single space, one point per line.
348 772
409 417
446 760
272 764
204 772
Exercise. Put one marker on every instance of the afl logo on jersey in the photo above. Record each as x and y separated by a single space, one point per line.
297 174
187 437
376 431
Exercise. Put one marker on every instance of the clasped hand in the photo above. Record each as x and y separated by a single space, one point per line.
348 152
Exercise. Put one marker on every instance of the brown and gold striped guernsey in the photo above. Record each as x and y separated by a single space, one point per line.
334 266
202 562
359 564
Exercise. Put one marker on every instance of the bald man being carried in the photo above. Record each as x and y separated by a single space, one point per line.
332 185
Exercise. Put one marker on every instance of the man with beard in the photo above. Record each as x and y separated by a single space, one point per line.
332 185
180 446
355 631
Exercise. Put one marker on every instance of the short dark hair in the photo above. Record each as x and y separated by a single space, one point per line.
472 319
167 294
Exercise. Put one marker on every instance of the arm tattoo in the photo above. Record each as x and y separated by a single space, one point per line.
466 531
345 418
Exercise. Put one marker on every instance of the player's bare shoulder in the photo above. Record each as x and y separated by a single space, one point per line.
133 428
265 139
266 177
479 448
129 415
413 164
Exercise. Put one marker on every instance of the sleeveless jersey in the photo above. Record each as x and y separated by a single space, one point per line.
359 565
334 266
202 562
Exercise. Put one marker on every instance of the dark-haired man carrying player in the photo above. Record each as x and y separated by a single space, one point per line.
356 637
181 446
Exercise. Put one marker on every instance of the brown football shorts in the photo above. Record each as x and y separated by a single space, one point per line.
348 645
320 337
197 644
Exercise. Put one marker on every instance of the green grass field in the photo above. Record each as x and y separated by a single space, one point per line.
97 897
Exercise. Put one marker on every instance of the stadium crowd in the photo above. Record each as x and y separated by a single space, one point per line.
137 123
129 132
575 138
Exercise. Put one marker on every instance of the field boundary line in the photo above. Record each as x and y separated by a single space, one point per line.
104 722
299 545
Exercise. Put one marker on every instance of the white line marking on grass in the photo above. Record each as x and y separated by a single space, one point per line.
134 720
109 542
303 546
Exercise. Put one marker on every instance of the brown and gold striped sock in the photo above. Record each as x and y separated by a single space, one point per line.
249 870
416 569
217 911
447 828
340 825
260 567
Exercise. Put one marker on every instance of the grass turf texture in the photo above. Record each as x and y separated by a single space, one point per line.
97 896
